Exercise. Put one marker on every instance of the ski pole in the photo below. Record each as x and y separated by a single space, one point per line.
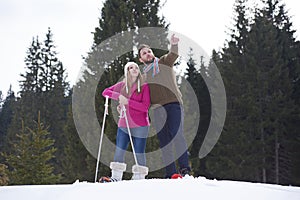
129 133
101 136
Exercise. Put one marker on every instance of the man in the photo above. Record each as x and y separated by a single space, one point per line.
168 106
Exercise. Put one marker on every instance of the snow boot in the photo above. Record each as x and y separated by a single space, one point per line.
107 179
185 171
176 176
139 172
117 170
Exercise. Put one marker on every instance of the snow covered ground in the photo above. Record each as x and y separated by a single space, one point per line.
153 189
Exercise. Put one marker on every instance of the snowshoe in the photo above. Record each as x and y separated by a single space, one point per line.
106 179
176 176
185 171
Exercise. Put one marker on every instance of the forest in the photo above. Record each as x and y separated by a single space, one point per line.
260 68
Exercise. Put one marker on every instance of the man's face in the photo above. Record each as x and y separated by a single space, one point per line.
146 55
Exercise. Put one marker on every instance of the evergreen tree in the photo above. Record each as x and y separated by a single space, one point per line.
232 157
75 155
6 114
257 138
117 17
194 75
54 87
43 89
1 100
284 140
291 57
29 161
265 64
3 175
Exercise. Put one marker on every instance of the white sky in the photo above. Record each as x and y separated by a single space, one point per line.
73 21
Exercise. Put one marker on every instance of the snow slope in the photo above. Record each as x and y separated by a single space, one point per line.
153 189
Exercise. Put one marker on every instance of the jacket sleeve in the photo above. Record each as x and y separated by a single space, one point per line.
113 92
170 58
144 104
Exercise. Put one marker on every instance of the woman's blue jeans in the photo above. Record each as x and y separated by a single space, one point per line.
139 137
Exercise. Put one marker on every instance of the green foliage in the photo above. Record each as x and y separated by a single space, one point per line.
194 76
3 175
32 152
260 67
43 89
6 115
76 157
257 67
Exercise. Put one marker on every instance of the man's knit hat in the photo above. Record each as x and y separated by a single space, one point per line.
126 76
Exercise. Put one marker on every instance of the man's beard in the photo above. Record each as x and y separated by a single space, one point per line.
150 61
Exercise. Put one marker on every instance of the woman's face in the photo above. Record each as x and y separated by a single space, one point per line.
134 71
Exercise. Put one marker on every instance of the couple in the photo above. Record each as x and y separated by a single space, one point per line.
135 93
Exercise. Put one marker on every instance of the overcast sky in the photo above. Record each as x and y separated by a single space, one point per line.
73 21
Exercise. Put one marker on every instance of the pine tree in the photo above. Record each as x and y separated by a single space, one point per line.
76 156
1 100
3 175
265 88
291 56
256 141
54 87
232 157
6 114
29 162
43 89
194 75
117 17
285 135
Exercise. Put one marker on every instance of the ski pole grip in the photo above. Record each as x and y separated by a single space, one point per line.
106 100
106 105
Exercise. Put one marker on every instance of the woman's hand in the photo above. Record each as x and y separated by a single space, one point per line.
119 107
123 100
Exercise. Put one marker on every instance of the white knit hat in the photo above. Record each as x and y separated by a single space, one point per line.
125 74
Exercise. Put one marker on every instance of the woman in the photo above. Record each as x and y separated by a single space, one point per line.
133 93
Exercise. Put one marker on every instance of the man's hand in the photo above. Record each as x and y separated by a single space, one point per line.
174 40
